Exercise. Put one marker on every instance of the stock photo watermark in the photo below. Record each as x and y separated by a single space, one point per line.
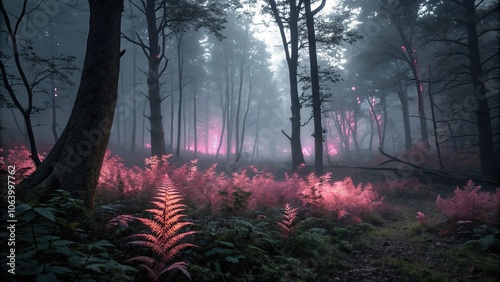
11 221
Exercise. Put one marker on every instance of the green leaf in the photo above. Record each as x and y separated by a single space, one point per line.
62 243
216 250
46 277
29 215
59 270
45 213
96 267
232 259
224 243
22 208
252 247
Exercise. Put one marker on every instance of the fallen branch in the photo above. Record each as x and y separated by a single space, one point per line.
441 173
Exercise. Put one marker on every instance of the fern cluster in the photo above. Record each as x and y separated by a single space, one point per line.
470 204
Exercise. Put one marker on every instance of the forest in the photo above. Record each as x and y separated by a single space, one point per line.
253 140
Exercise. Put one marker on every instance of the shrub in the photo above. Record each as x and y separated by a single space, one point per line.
469 204
342 197
50 247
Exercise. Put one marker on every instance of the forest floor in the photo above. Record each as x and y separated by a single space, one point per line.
402 249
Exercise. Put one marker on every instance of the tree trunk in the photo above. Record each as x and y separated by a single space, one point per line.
134 81
403 98
75 161
195 126
413 64
180 66
316 99
155 117
292 62
487 156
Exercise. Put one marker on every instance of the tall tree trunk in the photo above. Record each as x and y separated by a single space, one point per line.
292 56
223 108
75 161
53 97
403 98
143 135
384 124
172 108
195 126
134 81
180 66
487 155
155 117
207 121
53 86
316 99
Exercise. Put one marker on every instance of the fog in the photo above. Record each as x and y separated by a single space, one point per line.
234 82
277 140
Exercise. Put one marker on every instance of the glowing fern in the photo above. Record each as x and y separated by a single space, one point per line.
166 235
287 224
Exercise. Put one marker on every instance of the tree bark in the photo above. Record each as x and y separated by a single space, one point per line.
180 66
75 161
316 99
487 156
403 98
155 117
292 56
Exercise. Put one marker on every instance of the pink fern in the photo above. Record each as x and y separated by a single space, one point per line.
167 235
470 204
287 224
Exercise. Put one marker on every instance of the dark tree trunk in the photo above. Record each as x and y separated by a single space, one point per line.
412 62
134 81
316 99
195 126
155 117
487 156
75 161
180 65
292 61
403 98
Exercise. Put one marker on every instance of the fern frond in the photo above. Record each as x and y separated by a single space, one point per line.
165 239
181 266
287 224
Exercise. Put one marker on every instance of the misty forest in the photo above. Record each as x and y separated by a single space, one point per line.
255 140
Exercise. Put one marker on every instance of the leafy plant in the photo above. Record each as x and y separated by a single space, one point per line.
165 239
234 202
45 253
485 238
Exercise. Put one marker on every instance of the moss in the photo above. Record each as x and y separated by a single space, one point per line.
470 261
413 270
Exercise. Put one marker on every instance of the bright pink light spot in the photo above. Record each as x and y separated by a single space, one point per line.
148 145
55 95
403 47
55 88
353 88
332 149
307 151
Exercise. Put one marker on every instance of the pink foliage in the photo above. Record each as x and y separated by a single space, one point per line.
19 156
470 204
344 196
421 218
